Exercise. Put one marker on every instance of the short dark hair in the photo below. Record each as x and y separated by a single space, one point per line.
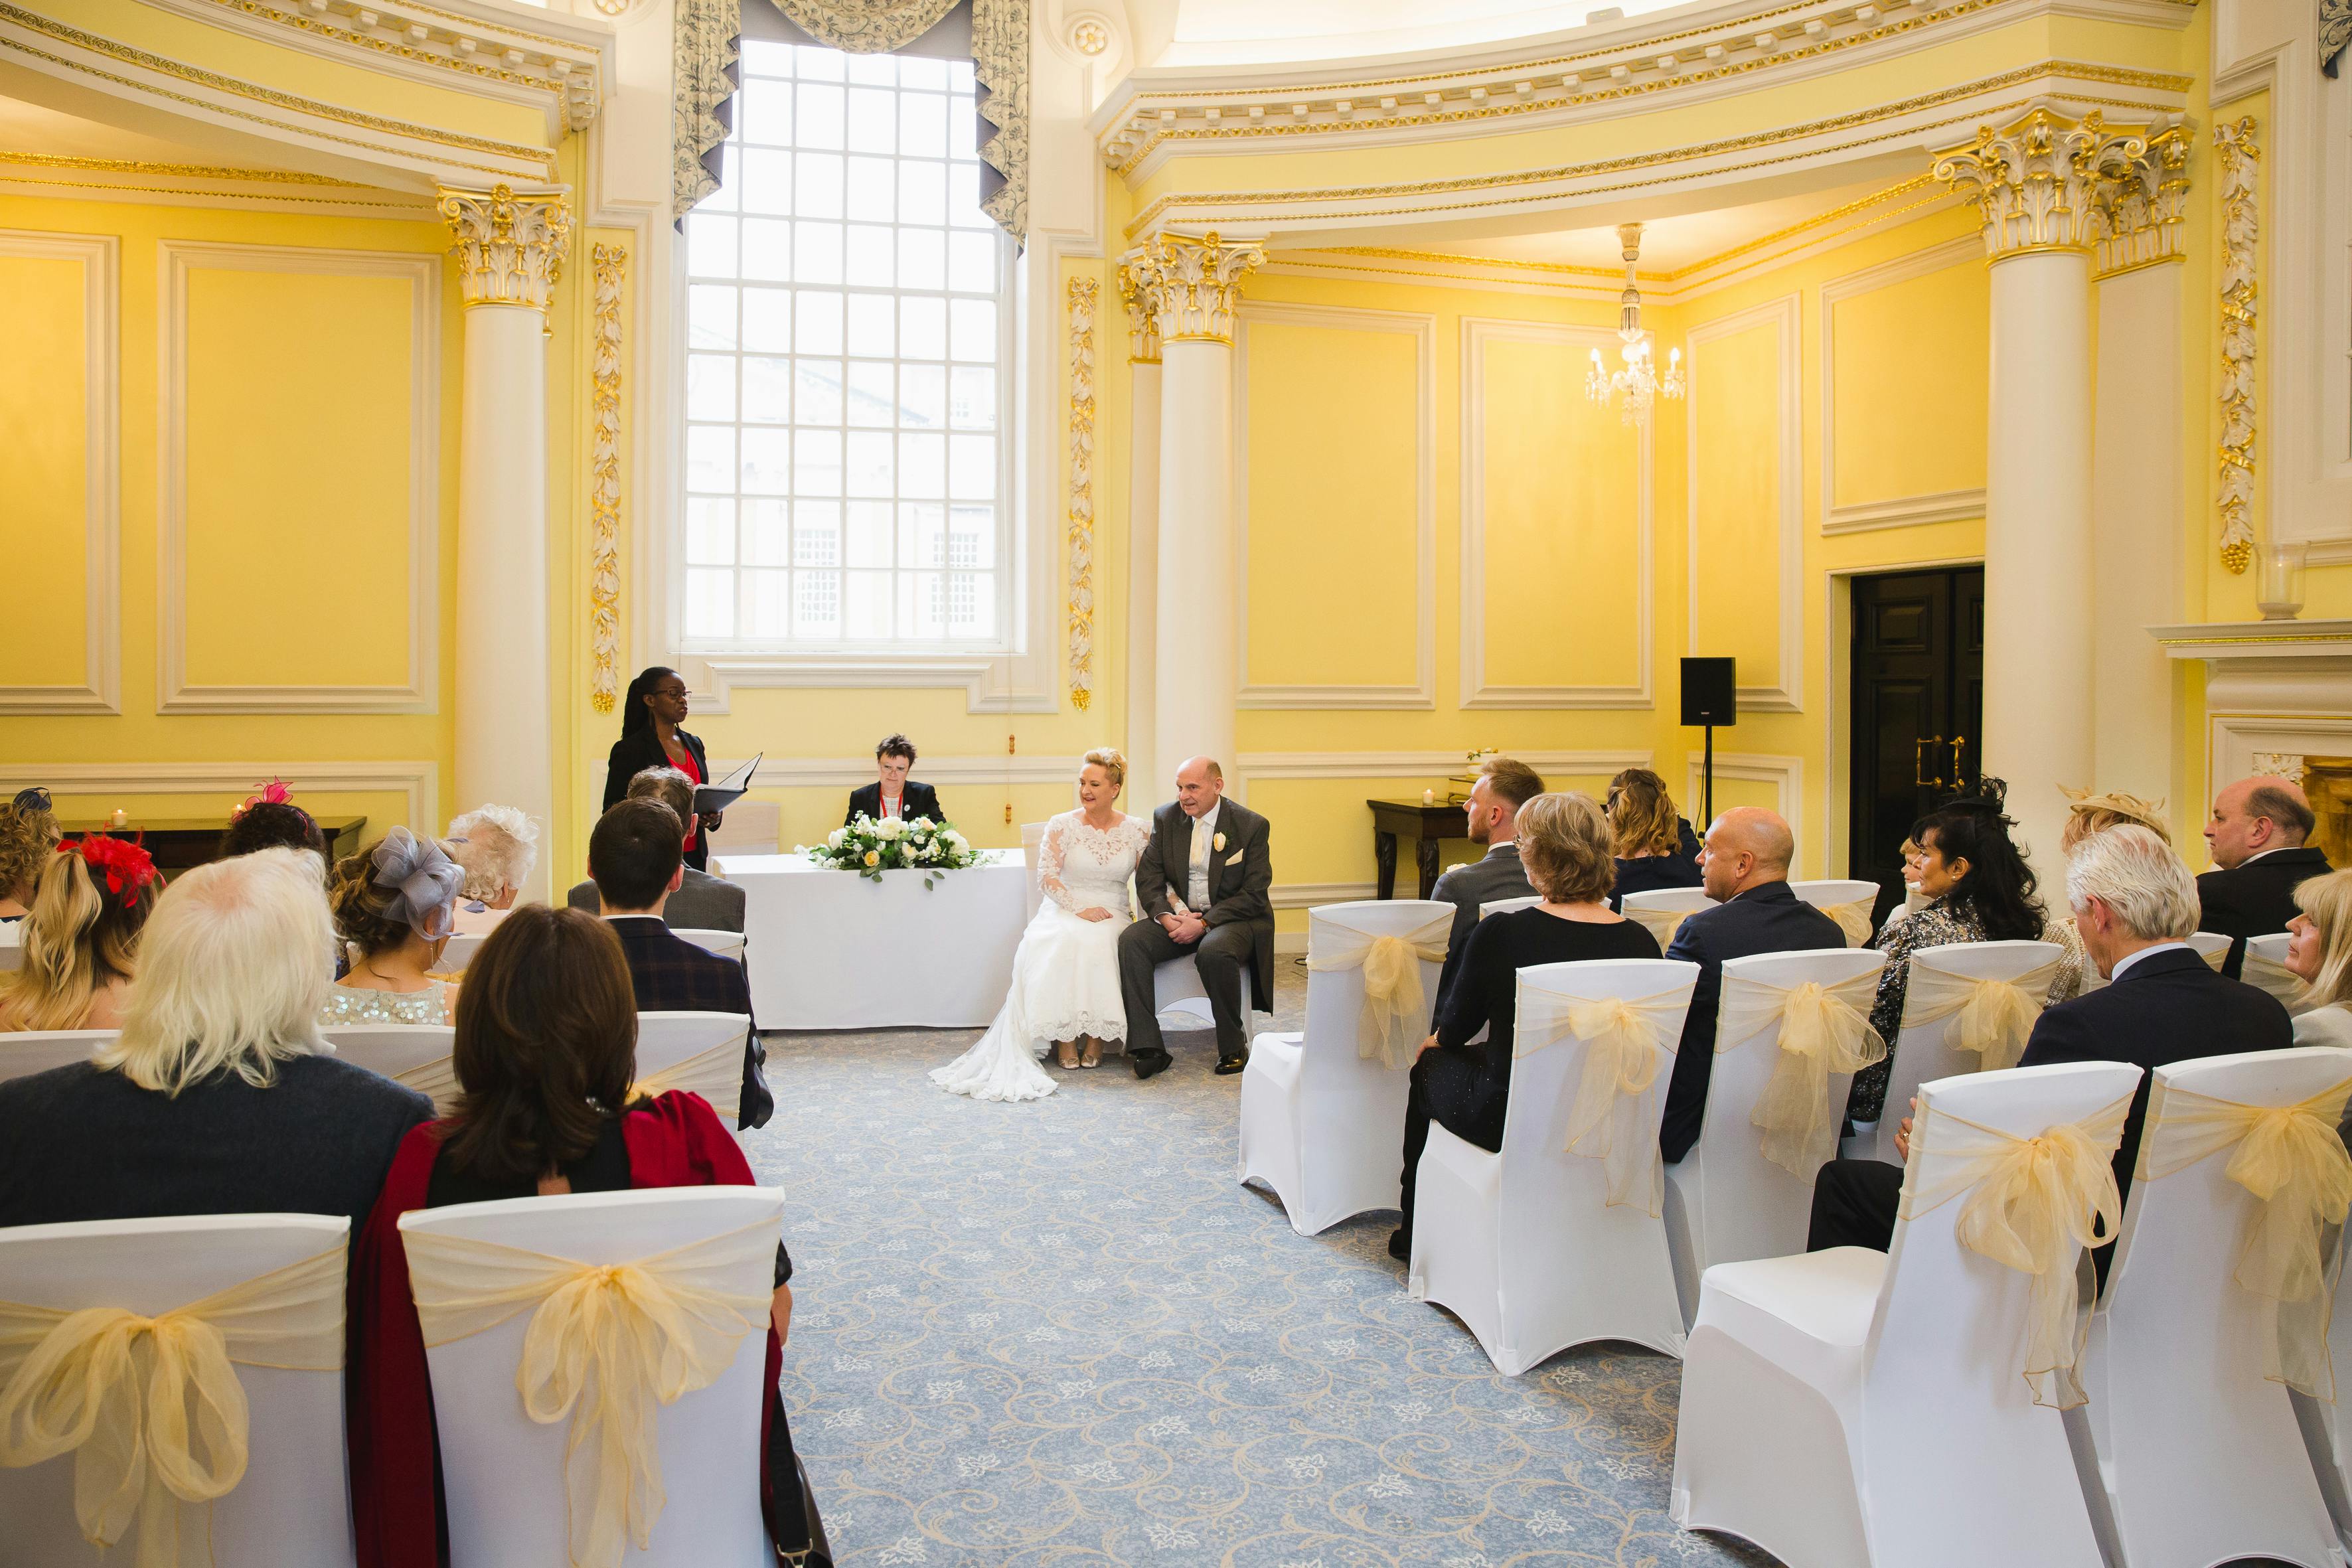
269 825
2293 818
895 745
546 1044
634 853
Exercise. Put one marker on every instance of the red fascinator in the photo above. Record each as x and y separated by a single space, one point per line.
126 865
274 793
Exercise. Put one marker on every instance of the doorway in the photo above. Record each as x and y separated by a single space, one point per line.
1919 711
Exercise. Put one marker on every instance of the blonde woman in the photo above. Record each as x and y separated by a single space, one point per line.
1647 838
1064 987
28 832
394 908
80 940
2319 953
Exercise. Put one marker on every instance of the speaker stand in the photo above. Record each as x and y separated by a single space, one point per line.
1707 776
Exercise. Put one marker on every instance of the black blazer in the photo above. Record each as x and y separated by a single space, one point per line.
641 749
1768 918
1239 876
2255 898
671 975
916 800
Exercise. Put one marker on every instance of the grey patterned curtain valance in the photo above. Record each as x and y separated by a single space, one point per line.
708 31
2334 31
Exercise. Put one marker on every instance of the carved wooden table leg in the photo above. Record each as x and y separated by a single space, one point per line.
1384 851
1425 856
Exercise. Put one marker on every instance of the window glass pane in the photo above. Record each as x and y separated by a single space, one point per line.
762 57
871 471
922 396
922 327
816 534
767 462
873 120
768 390
880 70
710 386
710 316
873 325
867 616
922 604
767 604
972 265
711 531
964 128
867 400
820 322
922 528
916 70
709 245
873 183
819 384
923 191
816 605
872 256
866 539
922 466
767 533
974 328
815 63
974 403
710 603
816 462
971 467
768 321
709 458
767 250
923 125
971 537
767 180
763 114
963 197
816 253
822 111
922 259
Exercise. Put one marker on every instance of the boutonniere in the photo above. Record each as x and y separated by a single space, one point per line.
1218 842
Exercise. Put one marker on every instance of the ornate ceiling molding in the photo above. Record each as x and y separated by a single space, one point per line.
202 185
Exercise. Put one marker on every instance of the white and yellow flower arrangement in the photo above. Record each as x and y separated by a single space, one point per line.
869 848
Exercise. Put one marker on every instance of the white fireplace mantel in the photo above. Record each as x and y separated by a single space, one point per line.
2276 691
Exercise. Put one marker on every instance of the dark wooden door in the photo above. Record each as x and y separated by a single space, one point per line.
1918 709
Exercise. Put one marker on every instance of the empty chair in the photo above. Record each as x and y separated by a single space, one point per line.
1662 911
1967 1006
701 1053
484 1274
1743 1191
1538 1247
2202 1459
1847 902
414 1054
1323 1110
271 1287
2265 968
725 943
29 1051
1851 1408
1505 906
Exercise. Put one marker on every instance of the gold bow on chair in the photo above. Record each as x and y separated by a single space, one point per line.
1393 1022
606 1345
1615 1116
2269 974
716 1074
1993 1018
1824 1030
1854 918
2034 1204
133 1398
2292 1160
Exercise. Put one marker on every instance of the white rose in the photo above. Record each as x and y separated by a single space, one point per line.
890 827
834 838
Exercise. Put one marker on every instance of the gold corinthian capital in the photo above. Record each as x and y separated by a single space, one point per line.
1142 301
2045 182
511 245
1192 285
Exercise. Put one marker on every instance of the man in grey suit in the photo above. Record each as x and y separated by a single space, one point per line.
1503 784
702 902
1202 881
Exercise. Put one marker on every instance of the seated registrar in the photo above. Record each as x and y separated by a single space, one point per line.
893 793
702 902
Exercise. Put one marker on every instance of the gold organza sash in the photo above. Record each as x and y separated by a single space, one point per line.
134 1398
2292 1160
2033 1205
1854 918
1615 1116
1992 1018
1393 1023
2272 976
437 1081
606 1345
716 1074
1661 924
1824 1030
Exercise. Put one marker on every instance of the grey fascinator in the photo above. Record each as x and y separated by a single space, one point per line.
423 879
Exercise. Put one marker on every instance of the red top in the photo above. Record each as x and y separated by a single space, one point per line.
687 765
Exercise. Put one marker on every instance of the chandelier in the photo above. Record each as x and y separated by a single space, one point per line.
1637 385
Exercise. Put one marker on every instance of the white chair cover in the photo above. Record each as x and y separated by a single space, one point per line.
1730 1199
1527 1246
630 1323
458 952
1322 1121
1505 906
1176 988
102 1328
701 1053
1848 903
2213 947
1662 912
1849 1408
2266 968
2197 1448
1954 995
414 1054
725 943
38 1051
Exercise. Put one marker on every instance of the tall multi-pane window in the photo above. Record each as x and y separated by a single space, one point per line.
847 319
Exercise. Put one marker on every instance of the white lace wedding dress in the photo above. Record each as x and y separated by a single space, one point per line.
1065 975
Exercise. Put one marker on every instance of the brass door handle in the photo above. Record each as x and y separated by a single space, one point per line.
1919 760
1959 780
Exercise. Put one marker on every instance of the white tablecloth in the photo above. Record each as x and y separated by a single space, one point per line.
833 949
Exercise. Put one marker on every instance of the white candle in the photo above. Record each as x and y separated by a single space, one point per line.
122 818
1429 797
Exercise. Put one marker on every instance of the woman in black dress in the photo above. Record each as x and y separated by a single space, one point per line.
1564 845
651 737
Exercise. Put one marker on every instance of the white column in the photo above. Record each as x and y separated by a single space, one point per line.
2038 186
509 248
1194 285
1142 539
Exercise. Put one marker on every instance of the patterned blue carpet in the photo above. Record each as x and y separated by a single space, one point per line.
1061 1332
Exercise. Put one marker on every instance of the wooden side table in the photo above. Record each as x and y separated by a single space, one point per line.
1427 825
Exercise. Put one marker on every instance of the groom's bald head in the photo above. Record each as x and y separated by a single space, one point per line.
1199 783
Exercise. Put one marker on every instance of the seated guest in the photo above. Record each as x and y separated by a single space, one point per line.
1648 836
1979 889
2136 905
1503 786
82 937
894 795
2257 836
496 846
545 1055
1563 843
2319 953
702 902
267 817
28 832
2087 813
218 1097
394 908
1745 867
633 859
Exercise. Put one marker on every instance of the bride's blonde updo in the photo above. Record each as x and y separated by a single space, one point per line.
1107 759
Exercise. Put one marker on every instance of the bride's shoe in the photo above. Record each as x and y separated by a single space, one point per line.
1093 1057
1066 1054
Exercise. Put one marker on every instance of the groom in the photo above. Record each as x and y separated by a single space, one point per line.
1202 882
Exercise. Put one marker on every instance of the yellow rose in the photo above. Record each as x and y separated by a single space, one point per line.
874 857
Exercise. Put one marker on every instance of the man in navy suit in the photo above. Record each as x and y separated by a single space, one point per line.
2135 904
1744 867
635 858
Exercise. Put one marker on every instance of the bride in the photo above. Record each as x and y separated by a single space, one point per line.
1065 976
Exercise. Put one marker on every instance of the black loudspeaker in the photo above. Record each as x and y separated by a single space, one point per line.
1710 692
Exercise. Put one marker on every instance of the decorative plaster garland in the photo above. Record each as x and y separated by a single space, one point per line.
612 264
1082 295
2235 146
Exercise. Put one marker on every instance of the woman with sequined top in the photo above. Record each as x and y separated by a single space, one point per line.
394 907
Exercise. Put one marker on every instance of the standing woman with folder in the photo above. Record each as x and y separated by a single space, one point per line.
651 738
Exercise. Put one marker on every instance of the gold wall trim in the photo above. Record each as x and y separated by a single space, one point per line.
611 263
272 197
173 171
1083 293
2234 145
395 49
